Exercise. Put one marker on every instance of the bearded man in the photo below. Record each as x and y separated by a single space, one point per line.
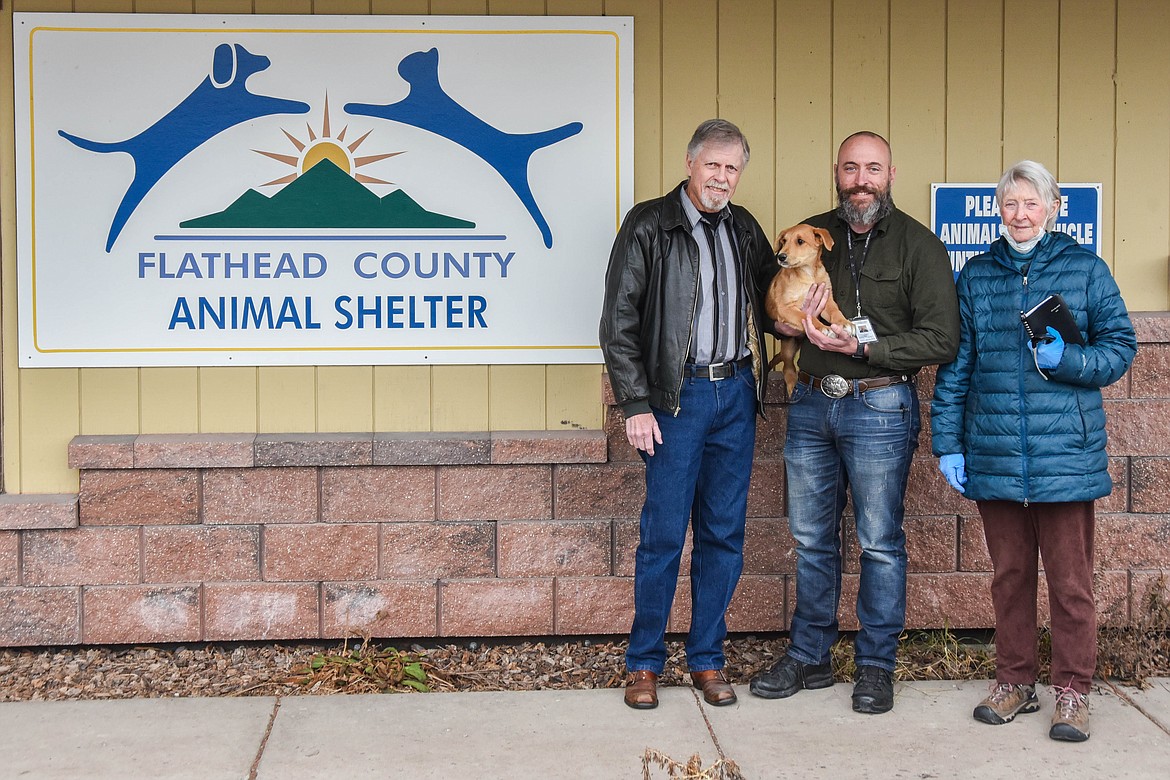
853 423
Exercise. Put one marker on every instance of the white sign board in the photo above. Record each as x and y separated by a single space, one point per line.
271 190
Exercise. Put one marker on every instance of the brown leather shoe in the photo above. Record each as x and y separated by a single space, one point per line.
642 690
717 691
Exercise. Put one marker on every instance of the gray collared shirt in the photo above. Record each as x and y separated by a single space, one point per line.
719 330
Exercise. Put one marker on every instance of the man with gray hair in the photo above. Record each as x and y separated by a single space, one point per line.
682 330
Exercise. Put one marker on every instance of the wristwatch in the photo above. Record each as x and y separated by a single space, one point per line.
860 353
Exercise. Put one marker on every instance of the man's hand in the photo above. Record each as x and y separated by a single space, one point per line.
840 339
642 432
816 299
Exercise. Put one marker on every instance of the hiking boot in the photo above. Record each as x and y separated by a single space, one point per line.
1070 721
1005 701
873 693
787 676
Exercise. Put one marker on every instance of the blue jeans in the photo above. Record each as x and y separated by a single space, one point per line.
698 476
863 442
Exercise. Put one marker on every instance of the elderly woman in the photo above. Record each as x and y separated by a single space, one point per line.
1020 428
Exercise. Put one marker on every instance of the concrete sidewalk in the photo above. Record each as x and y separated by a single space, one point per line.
575 734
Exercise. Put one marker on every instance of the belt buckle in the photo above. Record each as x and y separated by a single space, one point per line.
711 371
834 386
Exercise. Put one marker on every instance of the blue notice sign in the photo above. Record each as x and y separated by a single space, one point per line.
966 217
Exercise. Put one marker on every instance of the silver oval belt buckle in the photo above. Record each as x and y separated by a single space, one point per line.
835 386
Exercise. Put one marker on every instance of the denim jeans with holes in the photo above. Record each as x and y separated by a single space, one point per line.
699 477
862 443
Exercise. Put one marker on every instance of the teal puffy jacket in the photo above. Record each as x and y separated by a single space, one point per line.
1028 436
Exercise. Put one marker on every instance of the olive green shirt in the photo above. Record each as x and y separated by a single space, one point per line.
907 291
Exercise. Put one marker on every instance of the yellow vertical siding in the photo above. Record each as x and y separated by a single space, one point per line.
306 6
48 417
353 7
462 7
974 91
574 397
861 67
689 78
805 143
405 7
11 436
1088 54
402 398
1142 197
962 87
286 399
747 37
577 8
459 398
151 7
168 400
517 398
345 398
650 171
104 6
516 7
918 104
223 6
109 400
227 400
1031 70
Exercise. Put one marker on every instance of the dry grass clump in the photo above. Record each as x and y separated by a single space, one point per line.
723 769
1133 653
364 668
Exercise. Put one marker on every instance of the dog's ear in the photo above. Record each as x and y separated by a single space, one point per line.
823 235
780 238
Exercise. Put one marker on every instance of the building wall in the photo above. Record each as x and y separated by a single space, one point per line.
180 538
960 87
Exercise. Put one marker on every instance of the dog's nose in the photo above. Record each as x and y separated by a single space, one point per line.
781 257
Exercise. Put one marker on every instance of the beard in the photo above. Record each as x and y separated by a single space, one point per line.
881 205
713 202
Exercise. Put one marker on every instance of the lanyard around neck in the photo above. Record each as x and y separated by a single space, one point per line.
855 268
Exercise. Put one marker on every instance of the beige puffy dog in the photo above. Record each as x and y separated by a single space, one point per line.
798 250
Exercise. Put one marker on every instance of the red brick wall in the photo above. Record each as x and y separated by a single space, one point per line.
177 538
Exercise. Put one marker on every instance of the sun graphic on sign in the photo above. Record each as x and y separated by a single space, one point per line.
326 146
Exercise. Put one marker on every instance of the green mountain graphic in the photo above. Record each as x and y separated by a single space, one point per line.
325 197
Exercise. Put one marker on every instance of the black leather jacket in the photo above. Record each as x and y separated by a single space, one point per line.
651 289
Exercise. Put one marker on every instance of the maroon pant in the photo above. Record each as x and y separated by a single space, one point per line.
1062 533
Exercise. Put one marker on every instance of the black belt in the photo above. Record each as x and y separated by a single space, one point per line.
717 371
836 386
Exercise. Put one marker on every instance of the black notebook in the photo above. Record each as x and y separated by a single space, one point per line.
1053 312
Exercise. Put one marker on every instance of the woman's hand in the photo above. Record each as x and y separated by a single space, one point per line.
954 468
1049 353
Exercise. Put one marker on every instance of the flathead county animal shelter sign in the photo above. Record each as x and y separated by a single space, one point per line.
965 217
278 190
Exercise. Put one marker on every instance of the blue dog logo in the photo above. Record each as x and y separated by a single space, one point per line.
222 101
429 108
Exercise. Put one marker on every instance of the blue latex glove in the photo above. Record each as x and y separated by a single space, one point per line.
1048 353
954 468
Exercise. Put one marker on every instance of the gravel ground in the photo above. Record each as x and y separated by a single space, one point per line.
265 669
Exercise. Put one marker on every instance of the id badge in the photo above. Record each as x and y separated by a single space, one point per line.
863 328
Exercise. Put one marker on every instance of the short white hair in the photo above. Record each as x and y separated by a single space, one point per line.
1035 174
